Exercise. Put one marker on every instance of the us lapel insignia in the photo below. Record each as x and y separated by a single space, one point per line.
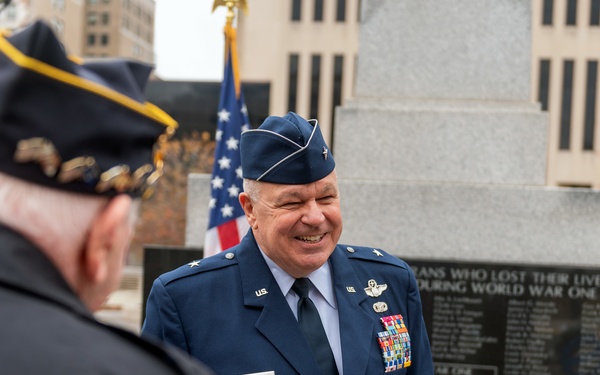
380 307
394 343
261 292
350 289
373 289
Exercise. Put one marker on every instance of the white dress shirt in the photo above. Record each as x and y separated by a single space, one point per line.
322 295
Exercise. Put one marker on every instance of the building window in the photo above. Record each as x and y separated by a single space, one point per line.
104 39
10 12
571 12
595 13
547 12
105 18
318 10
340 13
58 26
58 4
296 10
315 77
293 82
92 18
567 97
590 105
544 84
91 39
338 74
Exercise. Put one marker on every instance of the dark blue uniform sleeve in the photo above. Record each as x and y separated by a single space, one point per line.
422 361
162 320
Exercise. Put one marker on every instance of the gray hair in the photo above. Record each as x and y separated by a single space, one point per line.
54 220
252 188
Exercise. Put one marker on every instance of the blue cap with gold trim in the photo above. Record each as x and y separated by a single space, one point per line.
73 125
285 150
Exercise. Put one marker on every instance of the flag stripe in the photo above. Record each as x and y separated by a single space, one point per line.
228 234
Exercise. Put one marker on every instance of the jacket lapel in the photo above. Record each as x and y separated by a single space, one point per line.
276 322
355 322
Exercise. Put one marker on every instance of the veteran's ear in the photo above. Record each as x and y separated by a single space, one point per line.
108 239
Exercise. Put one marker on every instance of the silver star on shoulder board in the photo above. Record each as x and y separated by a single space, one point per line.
325 153
377 252
195 263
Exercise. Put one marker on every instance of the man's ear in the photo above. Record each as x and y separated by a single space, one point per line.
248 207
107 233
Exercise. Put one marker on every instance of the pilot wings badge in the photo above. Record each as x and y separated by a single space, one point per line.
374 289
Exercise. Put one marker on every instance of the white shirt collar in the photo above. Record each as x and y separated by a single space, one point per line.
321 279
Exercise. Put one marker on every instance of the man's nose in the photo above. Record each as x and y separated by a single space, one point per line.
313 214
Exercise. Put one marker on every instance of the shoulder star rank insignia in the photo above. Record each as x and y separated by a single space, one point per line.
195 263
373 289
377 252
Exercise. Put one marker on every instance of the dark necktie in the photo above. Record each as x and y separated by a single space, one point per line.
310 323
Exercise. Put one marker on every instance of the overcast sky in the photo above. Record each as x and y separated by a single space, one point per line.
188 40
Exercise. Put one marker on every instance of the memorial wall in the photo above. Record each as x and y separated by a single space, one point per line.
486 319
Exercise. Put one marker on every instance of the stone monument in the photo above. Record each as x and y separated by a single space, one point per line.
441 153
442 158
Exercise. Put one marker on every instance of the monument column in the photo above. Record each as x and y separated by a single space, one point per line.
440 153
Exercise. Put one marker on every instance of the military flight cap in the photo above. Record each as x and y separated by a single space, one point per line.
285 150
74 125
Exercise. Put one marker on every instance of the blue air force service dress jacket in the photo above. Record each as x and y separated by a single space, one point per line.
228 311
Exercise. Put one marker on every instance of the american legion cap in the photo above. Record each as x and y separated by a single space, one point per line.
73 125
285 150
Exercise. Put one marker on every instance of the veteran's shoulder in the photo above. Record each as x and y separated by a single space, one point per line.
371 254
198 266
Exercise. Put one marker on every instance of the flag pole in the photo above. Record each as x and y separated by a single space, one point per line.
230 35
227 222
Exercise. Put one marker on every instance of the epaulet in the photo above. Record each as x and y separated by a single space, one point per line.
214 262
371 254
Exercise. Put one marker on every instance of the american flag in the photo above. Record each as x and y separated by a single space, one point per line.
227 223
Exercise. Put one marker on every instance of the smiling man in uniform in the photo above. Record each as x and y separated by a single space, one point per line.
289 299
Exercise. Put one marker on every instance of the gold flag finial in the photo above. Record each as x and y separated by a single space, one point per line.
230 4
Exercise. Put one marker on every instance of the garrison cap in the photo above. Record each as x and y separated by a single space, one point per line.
73 125
285 150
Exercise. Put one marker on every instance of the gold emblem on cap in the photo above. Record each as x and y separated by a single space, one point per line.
84 168
38 150
80 168
373 289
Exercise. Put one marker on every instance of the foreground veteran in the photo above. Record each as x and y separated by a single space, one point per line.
77 149
237 311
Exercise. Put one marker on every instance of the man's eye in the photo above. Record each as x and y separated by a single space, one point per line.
290 204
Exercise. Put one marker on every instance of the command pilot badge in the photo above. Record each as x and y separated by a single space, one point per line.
373 289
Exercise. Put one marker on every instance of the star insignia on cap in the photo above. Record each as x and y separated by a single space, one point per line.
325 153
195 263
